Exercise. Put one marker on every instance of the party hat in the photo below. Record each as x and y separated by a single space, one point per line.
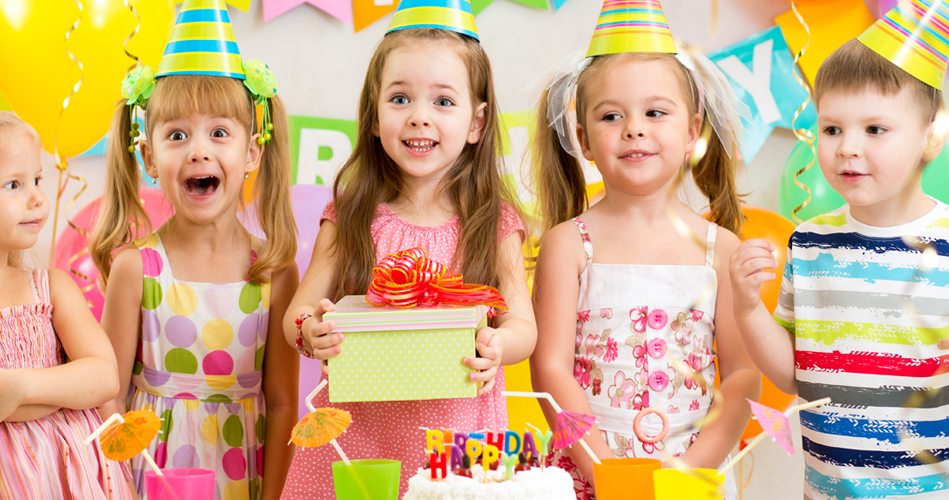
202 42
451 15
631 26
914 35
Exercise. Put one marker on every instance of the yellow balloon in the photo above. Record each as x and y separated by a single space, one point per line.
38 75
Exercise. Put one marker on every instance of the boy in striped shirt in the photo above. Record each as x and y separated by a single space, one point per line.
863 314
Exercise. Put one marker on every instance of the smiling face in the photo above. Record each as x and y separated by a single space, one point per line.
872 147
636 125
425 110
23 205
201 161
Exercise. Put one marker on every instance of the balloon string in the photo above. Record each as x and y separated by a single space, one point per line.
129 38
61 164
804 135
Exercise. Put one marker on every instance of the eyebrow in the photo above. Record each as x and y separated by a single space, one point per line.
436 85
649 99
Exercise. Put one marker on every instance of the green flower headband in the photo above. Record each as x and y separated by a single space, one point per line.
139 85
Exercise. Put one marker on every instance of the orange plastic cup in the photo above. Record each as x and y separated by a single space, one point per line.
625 478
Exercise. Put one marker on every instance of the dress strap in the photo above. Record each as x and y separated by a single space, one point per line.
585 237
710 244
40 286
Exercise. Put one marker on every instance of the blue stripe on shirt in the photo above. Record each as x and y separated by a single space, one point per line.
891 431
847 457
874 487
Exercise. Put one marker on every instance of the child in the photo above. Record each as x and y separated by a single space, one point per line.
188 308
860 313
612 321
424 173
46 403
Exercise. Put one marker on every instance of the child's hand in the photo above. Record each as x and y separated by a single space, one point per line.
316 336
747 270
10 395
488 344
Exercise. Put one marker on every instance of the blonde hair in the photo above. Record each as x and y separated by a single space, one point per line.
854 67
9 124
561 187
370 177
122 218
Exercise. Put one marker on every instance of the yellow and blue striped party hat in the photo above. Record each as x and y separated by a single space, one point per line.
631 26
202 42
451 15
914 35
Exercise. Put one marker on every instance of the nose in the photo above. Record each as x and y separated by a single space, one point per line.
849 147
37 197
419 117
199 153
634 129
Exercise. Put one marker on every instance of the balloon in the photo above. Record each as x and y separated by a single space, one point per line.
38 75
71 245
935 183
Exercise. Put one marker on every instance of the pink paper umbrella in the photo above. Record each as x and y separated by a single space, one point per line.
775 423
570 428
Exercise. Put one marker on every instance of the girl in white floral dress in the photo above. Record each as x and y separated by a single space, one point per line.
612 323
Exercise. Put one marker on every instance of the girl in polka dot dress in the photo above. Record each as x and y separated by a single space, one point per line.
188 307
424 173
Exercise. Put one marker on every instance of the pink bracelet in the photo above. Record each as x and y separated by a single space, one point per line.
299 321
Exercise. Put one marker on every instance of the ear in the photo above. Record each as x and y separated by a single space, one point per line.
584 141
254 153
695 131
936 137
147 158
477 124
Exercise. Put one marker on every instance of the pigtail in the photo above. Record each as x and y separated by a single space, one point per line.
714 174
272 192
121 215
561 187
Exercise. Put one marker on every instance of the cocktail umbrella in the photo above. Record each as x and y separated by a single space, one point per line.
570 427
321 426
124 436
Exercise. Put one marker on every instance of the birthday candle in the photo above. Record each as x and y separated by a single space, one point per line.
435 440
544 439
489 456
509 462
530 449
512 450
472 449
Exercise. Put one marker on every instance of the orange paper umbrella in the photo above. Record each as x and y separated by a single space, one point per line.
320 427
124 436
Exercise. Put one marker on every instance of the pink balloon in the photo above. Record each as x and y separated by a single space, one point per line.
72 256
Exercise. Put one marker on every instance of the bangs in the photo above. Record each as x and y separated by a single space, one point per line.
176 96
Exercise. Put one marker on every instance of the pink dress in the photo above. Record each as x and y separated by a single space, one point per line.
45 458
390 430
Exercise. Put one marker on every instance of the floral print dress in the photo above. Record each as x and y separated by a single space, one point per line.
632 322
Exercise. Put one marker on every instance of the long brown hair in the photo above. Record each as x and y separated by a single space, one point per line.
122 218
370 177
561 188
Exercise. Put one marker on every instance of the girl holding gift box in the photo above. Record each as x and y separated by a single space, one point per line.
46 404
188 307
424 173
615 323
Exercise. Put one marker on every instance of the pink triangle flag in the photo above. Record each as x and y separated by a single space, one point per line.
340 9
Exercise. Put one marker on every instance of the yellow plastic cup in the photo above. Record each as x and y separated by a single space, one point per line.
625 478
696 484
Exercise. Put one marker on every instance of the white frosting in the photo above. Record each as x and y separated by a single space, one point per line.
553 483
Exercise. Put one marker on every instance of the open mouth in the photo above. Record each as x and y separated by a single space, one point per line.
636 155
420 146
202 186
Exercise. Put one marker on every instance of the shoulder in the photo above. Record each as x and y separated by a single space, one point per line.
61 286
128 270
329 213
510 222
563 243
725 240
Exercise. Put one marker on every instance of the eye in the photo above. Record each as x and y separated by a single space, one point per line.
444 101
36 181
399 100
655 113
177 135
875 130
219 133
11 185
831 130
612 117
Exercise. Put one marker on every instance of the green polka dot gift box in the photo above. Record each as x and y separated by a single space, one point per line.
396 354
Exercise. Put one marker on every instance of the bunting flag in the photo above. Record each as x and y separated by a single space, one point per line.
478 5
340 9
366 12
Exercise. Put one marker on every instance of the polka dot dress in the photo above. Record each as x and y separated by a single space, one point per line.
390 430
199 368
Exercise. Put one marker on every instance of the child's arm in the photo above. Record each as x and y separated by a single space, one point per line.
311 298
87 380
768 343
740 379
281 377
122 319
27 413
556 291
512 338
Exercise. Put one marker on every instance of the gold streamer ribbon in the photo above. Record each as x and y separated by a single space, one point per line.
135 31
804 135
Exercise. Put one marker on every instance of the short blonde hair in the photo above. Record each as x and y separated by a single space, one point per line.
855 67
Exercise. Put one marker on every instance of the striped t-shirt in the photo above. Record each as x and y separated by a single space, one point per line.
867 313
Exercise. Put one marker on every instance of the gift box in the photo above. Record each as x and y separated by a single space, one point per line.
399 354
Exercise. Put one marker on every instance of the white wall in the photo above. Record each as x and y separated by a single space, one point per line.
320 64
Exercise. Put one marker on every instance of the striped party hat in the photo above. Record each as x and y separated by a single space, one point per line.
451 15
202 42
631 26
914 35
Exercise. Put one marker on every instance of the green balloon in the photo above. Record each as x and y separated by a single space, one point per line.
823 197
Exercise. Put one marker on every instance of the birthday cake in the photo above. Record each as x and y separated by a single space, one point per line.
487 466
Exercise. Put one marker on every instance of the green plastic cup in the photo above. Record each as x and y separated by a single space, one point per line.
367 480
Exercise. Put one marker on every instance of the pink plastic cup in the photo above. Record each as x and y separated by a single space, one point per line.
180 484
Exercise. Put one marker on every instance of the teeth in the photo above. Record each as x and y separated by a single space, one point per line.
636 155
420 145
